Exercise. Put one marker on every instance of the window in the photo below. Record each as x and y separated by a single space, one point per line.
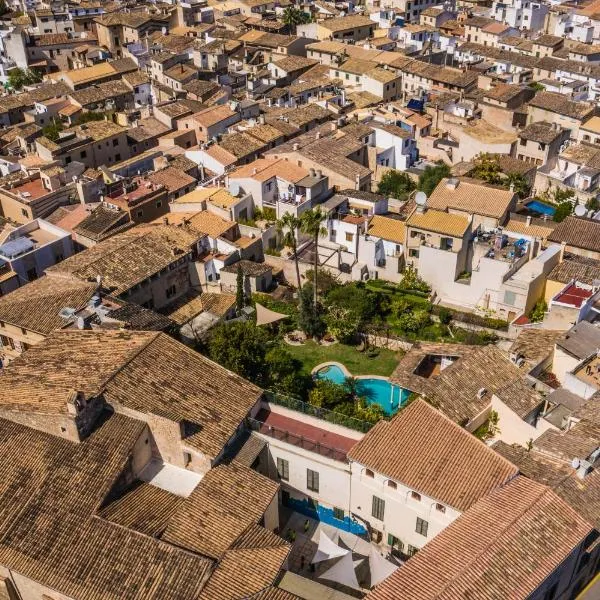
392 484
115 142
187 458
415 496
158 204
171 291
67 160
23 331
117 157
509 298
440 508
422 526
24 212
413 253
349 237
411 550
338 513
83 154
32 274
369 473
140 213
312 480
283 469
378 508
394 542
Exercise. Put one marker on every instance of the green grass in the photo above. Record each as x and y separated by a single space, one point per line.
358 363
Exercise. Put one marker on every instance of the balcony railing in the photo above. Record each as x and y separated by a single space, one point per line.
298 440
319 413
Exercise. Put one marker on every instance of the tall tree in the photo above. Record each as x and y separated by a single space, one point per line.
311 224
289 225
292 17
431 176
239 291
396 184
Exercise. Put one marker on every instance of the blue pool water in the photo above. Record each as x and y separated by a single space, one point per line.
380 391
540 207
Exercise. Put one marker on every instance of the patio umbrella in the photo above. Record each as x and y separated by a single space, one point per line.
380 567
327 549
343 572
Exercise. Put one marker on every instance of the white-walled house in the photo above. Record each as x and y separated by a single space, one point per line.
403 482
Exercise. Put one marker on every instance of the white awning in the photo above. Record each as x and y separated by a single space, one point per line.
380 567
343 572
264 315
327 549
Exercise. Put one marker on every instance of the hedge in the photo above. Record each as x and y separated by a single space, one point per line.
472 319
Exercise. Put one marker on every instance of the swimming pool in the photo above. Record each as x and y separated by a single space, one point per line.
541 207
379 391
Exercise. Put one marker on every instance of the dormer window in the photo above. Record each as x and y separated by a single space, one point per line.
440 507
392 484
369 473
415 496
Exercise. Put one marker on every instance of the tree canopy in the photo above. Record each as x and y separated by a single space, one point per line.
431 176
396 184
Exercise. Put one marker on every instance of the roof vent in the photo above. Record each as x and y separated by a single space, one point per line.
583 468
481 392
452 183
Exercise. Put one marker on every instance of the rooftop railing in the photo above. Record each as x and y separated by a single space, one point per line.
299 441
319 413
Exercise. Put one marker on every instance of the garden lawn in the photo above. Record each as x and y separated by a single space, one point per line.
358 363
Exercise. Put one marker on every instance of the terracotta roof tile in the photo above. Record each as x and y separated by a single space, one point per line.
433 456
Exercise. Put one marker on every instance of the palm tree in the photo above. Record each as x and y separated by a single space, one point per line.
311 224
292 17
289 225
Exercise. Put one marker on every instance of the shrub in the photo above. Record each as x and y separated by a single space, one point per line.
411 281
539 311
445 316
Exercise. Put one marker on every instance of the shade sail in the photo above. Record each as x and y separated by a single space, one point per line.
264 316
343 572
380 567
327 549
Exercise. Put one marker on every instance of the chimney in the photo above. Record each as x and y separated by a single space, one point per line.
319 173
562 250
528 222
165 220
254 171
452 183
318 136
296 147
312 172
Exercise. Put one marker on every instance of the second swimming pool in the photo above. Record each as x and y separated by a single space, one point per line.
380 391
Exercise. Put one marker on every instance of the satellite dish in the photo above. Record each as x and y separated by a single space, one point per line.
421 198
575 463
580 210
234 189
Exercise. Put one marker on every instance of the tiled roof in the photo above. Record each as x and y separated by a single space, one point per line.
455 390
172 178
264 169
35 306
523 529
471 196
583 269
130 257
146 372
101 222
561 104
541 131
144 507
578 232
433 456
534 345
213 518
50 535
538 228
348 22
439 221
387 229
248 267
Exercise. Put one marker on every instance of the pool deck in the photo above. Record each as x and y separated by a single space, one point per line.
308 433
